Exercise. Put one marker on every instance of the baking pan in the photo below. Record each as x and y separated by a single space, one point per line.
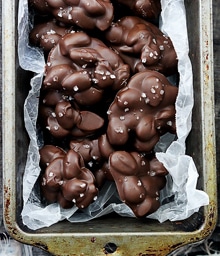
111 235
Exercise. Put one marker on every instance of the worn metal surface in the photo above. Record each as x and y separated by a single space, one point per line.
100 237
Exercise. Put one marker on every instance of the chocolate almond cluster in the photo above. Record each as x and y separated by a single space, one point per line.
105 100
142 45
86 14
65 179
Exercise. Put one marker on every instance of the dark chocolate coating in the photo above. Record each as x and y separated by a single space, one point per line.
142 112
83 13
95 154
46 35
84 67
48 153
66 180
148 9
88 149
142 45
138 181
97 149
62 118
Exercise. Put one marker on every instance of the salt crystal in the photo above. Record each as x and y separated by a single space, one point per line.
119 130
83 185
153 90
90 163
143 95
139 183
147 100
75 88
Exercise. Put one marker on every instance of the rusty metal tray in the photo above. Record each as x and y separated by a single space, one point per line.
111 235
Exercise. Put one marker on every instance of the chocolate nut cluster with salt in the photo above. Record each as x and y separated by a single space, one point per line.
65 178
138 180
142 112
142 45
47 34
105 100
62 117
84 67
83 13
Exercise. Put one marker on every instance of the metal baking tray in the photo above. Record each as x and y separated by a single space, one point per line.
111 235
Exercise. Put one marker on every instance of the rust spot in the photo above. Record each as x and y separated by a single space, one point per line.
6 204
211 215
93 239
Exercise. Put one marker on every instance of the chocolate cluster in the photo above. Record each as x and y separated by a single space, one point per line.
65 179
83 13
142 45
142 112
138 180
84 67
47 34
105 100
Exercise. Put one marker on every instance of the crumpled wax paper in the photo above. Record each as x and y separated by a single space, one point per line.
181 194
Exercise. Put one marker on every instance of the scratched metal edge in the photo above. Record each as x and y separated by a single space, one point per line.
209 141
130 243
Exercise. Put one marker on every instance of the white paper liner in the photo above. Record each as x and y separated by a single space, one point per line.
183 175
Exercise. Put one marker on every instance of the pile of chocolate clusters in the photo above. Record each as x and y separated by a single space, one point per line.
105 99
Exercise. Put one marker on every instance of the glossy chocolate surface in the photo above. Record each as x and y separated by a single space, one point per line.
84 67
85 14
66 180
142 45
142 112
138 181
